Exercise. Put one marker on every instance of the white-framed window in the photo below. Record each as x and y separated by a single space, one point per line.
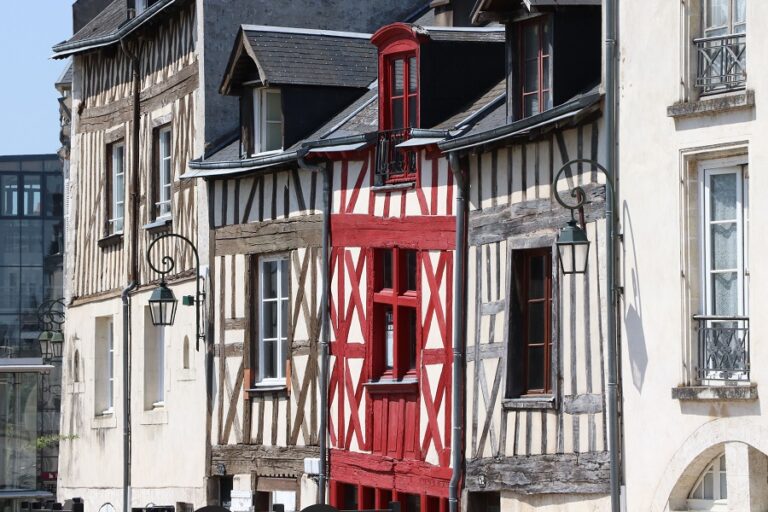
273 319
104 367
268 120
164 173
154 363
711 490
724 207
117 192
723 17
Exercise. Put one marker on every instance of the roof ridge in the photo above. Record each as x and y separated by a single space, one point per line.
306 31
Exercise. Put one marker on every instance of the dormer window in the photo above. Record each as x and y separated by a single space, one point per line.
268 120
536 66
403 97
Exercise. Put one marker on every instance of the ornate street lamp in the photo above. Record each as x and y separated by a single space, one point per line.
573 249
162 302
50 314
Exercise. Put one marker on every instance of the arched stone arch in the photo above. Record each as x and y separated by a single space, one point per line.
697 451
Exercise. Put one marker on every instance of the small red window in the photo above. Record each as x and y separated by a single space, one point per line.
395 325
535 66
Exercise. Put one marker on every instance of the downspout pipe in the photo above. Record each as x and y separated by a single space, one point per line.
133 275
125 295
327 171
459 330
614 444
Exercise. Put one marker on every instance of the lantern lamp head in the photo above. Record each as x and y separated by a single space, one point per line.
573 249
162 305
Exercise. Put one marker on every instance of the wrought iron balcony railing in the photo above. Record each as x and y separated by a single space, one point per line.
723 347
392 163
721 63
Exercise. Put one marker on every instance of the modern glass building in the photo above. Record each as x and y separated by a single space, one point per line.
31 266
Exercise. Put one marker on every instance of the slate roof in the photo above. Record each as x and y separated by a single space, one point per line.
495 93
471 34
318 57
107 28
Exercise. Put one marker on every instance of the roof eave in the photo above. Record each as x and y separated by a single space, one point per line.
63 50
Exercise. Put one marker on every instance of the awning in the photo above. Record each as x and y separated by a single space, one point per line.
24 494
419 141
26 368
339 148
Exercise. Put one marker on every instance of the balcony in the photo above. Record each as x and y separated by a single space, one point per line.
721 63
723 348
394 165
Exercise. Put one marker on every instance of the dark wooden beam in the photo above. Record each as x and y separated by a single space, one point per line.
270 236
262 460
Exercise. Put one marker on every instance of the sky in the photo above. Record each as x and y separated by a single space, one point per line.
29 109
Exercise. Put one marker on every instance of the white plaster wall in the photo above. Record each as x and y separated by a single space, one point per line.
511 502
165 466
654 317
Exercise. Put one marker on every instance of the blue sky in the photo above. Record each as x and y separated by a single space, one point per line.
29 112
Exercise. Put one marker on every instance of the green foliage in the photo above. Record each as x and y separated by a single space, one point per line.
43 442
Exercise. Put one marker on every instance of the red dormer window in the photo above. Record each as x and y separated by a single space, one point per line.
398 101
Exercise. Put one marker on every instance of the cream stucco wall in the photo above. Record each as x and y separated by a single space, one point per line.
664 435
168 462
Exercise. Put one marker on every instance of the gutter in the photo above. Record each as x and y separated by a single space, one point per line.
65 49
127 396
327 171
459 332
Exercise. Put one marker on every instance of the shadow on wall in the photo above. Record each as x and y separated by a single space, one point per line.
633 316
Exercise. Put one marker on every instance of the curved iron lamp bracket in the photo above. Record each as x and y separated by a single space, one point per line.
578 192
168 264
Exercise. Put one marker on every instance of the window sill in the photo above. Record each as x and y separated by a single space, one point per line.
726 392
104 420
111 240
155 416
389 187
715 104
529 402
268 388
159 225
392 386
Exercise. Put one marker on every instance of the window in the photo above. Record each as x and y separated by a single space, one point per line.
154 363
268 118
711 490
722 49
395 325
723 333
9 195
185 354
531 319
164 172
115 188
104 366
273 319
536 66
401 113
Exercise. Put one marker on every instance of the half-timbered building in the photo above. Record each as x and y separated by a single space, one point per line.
266 215
390 415
535 398
138 398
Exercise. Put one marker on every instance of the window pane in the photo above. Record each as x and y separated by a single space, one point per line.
269 279
397 114
725 294
723 196
545 83
536 320
412 113
31 292
531 41
531 75
54 195
269 319
389 346
274 111
409 263
412 80
10 290
273 136
531 105
739 11
708 487
32 195
536 286
536 368
31 242
723 486
398 76
9 197
268 360
283 320
10 346
10 248
724 246
284 277
717 13
385 267
54 237
410 315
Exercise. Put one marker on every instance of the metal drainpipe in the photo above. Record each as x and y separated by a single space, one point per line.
327 171
612 352
133 276
459 328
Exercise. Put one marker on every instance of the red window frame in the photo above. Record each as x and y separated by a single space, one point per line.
545 298
398 292
542 60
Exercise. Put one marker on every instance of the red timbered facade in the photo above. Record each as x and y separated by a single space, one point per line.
392 257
